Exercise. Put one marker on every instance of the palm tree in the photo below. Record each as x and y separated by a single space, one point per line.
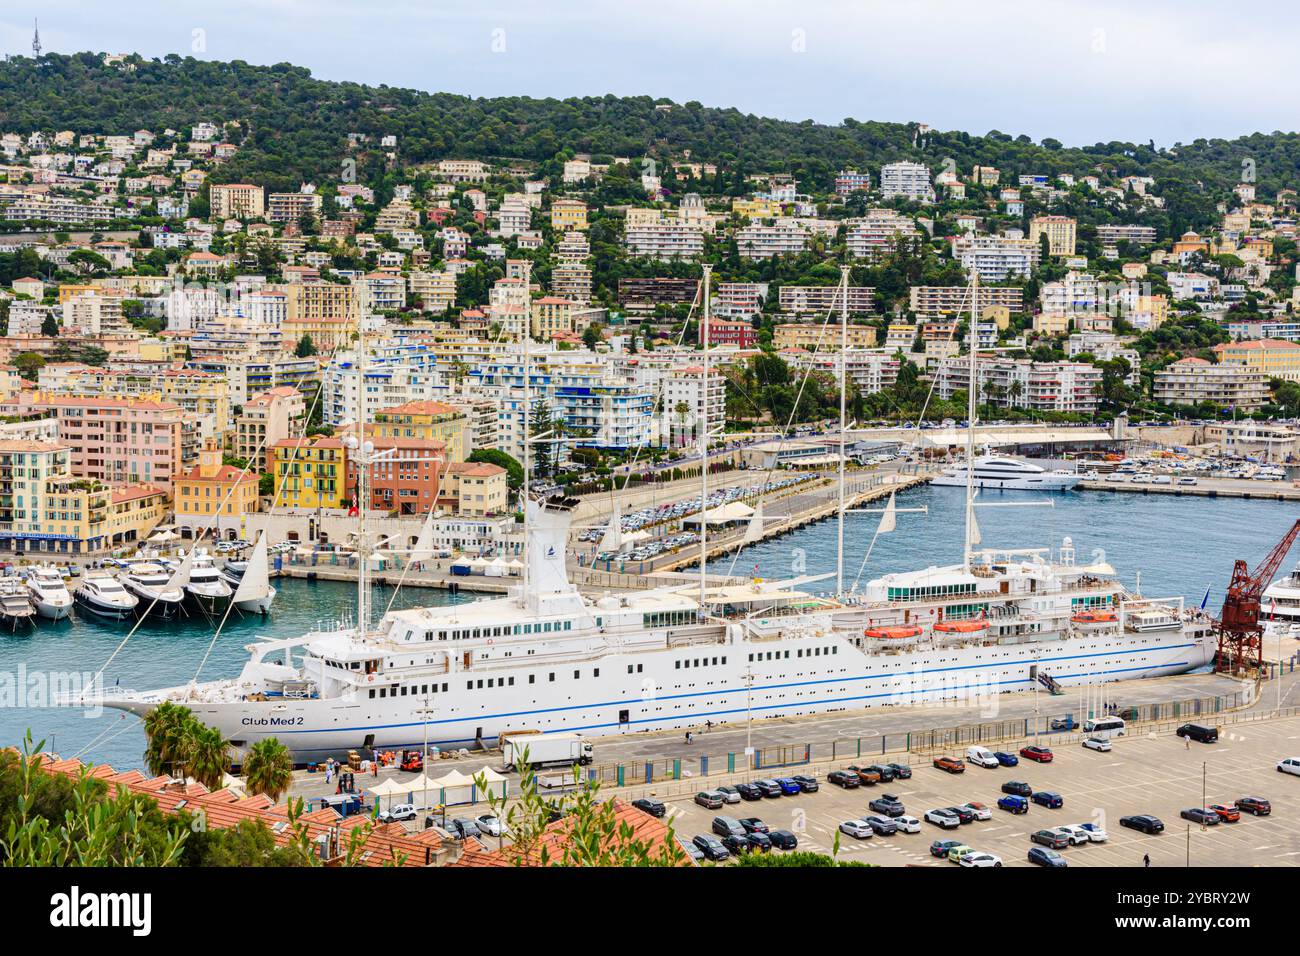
268 768
207 756
166 729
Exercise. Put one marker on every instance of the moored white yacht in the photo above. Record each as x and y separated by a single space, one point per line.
16 609
49 594
151 584
205 588
103 595
1009 474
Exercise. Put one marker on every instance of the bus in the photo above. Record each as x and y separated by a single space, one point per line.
1104 727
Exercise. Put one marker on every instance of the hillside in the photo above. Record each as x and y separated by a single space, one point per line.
296 129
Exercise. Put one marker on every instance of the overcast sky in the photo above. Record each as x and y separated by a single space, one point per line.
1078 71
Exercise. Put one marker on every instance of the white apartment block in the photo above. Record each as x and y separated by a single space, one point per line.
664 240
995 259
739 300
683 407
1193 380
1021 383
906 180
926 300
763 242
876 235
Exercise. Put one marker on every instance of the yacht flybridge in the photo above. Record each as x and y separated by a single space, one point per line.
549 658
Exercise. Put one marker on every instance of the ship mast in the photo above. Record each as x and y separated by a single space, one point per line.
704 445
528 441
844 387
972 344
363 486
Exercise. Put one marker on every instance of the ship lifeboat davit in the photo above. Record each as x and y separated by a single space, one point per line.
961 627
897 632
1094 617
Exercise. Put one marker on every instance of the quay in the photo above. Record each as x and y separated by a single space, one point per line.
1245 488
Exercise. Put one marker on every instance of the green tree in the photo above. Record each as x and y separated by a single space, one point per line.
306 347
268 768
50 326
495 456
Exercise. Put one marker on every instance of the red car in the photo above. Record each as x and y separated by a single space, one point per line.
1041 754
1226 814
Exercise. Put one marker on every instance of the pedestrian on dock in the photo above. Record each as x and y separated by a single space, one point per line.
1146 860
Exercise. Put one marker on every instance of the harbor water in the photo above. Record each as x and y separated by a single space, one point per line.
1179 545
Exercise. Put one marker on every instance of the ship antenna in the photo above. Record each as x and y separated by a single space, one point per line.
704 446
36 40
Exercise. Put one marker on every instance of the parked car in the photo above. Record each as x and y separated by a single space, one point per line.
1289 765
1013 804
1226 813
462 829
1049 799
401 811
1096 833
747 843
753 825
1096 743
957 853
1074 833
783 839
1063 723
940 848
729 794
1045 857
727 826
950 764
711 848
865 774
888 804
770 788
860 829
883 826
982 757
963 814
886 772
806 783
491 825
908 824
901 770
943 818
1206 818
709 799
690 849
1018 787
1200 733
1050 838
844 778
1255 805
653 807
1006 759
748 791
789 786
980 860
1039 754
1143 822
980 810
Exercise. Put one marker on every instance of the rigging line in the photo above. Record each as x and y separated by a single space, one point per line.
794 410
275 500
119 730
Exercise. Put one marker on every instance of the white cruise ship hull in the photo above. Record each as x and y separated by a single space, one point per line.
661 695
1048 481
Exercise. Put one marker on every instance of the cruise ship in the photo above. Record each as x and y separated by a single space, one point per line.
1280 606
548 658
1010 474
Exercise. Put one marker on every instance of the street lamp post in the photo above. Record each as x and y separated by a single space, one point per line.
749 717
424 754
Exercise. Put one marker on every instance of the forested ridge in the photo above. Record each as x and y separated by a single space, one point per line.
295 128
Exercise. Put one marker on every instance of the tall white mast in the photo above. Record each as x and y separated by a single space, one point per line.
528 444
972 344
363 486
704 445
844 387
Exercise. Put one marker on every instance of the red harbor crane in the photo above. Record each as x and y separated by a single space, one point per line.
1240 633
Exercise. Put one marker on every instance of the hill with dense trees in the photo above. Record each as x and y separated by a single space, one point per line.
295 128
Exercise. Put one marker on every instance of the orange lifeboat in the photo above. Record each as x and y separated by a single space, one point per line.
961 627
894 633
1094 617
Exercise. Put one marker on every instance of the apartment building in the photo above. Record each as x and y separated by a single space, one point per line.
236 201
432 421
1271 358
435 291
870 370
1193 380
292 207
93 314
463 170
26 466
212 489
928 300
851 181
311 473
265 420
1061 233
739 299
568 214
664 239
823 299
1138 235
642 295
1022 383
906 180
687 401
822 336
741 335
878 233
763 242
995 258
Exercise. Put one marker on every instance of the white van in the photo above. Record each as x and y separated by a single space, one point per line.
1104 727
981 757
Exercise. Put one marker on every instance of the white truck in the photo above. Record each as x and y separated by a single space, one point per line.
545 750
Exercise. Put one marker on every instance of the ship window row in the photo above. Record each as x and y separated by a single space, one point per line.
638 668
938 590
693 662
416 690
668 618
470 633
803 652
491 683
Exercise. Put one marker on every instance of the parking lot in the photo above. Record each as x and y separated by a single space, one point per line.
1158 775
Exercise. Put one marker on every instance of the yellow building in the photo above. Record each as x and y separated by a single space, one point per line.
311 473
568 214
1052 323
237 201
1189 243
551 314
326 334
84 515
756 208
814 336
1273 358
1061 232
432 421
214 488
999 315
479 489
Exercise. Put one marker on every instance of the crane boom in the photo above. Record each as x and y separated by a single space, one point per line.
1238 626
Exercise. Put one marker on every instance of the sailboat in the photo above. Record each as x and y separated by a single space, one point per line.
253 590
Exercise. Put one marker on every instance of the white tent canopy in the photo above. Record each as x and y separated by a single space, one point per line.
733 511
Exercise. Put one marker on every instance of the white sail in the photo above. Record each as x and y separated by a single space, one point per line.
423 549
754 530
612 540
974 525
889 520
256 582
181 576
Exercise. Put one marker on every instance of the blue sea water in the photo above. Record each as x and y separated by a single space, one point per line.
1180 545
